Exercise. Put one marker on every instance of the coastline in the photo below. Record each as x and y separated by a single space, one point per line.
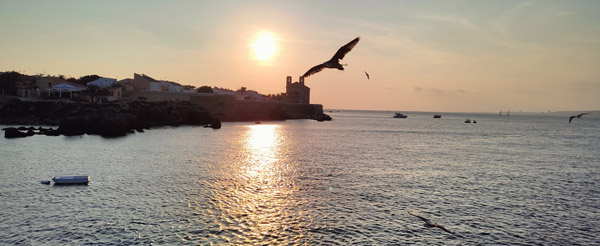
120 118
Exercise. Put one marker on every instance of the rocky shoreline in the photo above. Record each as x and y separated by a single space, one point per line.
107 120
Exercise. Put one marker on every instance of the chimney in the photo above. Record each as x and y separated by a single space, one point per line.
301 80
288 81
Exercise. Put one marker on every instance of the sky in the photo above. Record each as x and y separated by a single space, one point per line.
438 56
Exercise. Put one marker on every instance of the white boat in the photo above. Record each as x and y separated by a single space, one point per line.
400 115
71 179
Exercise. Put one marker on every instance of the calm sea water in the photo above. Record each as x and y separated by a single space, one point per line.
505 180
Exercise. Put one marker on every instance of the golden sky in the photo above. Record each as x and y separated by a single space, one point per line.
459 56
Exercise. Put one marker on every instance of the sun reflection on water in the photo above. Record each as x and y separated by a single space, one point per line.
263 147
254 196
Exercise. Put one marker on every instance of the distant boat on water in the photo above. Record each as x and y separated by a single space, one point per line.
467 121
437 116
400 115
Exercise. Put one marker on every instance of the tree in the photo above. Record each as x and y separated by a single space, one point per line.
93 89
8 82
204 89
88 78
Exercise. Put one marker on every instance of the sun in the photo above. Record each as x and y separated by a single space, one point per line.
264 47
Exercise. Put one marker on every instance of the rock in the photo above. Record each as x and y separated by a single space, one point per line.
12 132
322 117
52 132
107 120
215 124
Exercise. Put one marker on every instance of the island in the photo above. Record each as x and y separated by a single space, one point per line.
111 108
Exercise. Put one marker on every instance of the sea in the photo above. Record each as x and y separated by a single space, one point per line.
525 179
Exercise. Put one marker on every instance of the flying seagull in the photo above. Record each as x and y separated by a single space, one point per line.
429 224
334 62
578 116
367 74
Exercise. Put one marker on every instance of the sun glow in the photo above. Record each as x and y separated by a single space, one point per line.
264 47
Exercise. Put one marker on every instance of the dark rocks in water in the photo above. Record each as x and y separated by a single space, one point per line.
51 132
322 117
48 131
215 124
11 132
22 128
107 120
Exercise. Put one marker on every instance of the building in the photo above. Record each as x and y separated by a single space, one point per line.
103 82
141 82
239 94
56 87
170 86
297 92
189 89
68 90
111 89
128 89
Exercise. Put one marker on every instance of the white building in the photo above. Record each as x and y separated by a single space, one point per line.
69 88
223 91
239 95
154 86
189 89
250 95
103 82
170 86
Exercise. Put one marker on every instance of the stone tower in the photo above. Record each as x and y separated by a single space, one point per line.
297 92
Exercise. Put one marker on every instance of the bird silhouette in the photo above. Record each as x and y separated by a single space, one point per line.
334 62
367 74
576 116
429 224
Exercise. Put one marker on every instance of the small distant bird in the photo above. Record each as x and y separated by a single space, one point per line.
578 116
334 62
367 74
429 224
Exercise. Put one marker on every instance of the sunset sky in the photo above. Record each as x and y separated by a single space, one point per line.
459 56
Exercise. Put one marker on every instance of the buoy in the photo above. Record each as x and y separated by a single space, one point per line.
46 182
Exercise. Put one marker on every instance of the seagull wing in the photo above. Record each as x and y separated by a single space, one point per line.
420 217
582 114
571 118
443 228
314 70
367 74
339 55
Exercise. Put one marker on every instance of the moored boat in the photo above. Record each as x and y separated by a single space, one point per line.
71 179
399 115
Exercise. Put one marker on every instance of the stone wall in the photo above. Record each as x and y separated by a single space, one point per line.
227 108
